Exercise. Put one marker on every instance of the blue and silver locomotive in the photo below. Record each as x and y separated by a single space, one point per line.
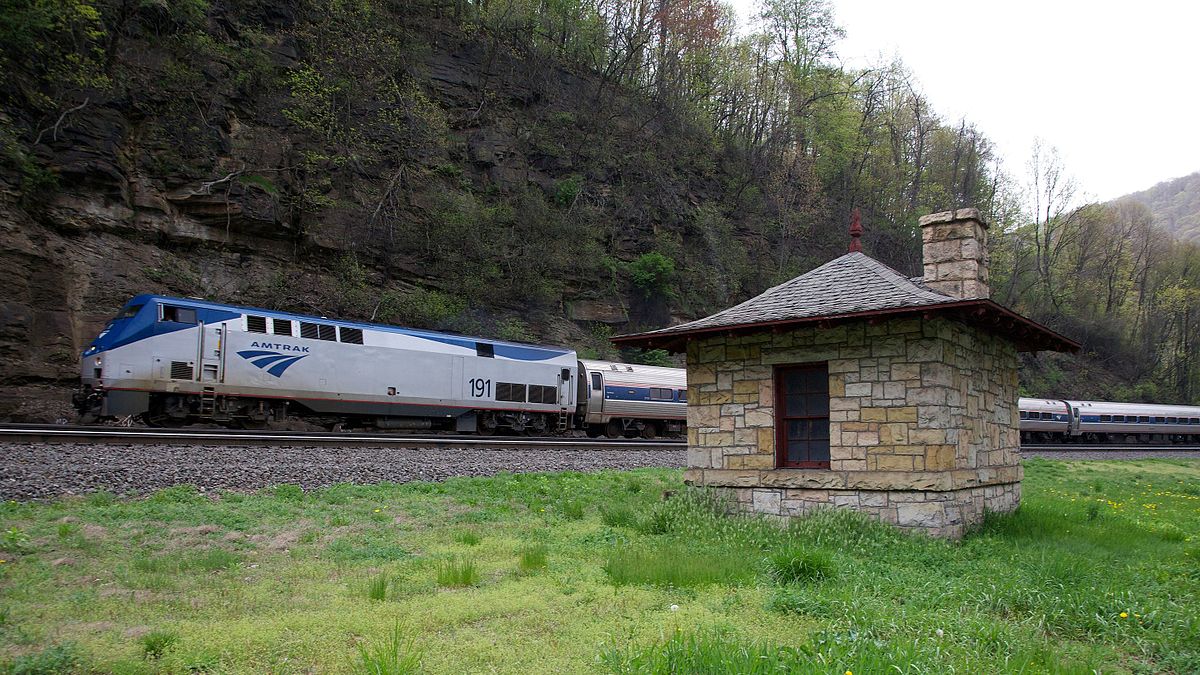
171 361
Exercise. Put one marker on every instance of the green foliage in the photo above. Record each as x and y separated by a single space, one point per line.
652 274
566 191
398 655
571 509
55 660
208 560
457 572
532 559
618 515
468 537
15 539
514 330
708 653
288 491
649 357
800 565
422 308
157 642
678 565
1095 572
366 547
377 586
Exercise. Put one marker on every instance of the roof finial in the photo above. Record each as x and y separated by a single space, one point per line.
855 231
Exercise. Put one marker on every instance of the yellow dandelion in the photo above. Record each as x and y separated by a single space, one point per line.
1124 615
849 673
377 510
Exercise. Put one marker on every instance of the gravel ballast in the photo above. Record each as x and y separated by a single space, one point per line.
45 470
42 470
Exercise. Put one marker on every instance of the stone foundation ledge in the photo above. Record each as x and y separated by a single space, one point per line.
957 479
939 513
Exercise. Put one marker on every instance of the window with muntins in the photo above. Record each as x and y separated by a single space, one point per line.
802 416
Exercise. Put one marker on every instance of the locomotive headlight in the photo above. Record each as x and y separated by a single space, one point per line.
98 362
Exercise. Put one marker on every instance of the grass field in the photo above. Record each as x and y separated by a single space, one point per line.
1099 570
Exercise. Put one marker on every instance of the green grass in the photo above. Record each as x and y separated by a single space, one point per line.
799 565
532 559
396 655
679 565
468 537
377 587
498 575
156 643
457 573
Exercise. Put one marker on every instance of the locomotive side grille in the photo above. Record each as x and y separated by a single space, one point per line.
181 370
256 324
507 391
352 336
308 330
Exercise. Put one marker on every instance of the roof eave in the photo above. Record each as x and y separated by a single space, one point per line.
1030 336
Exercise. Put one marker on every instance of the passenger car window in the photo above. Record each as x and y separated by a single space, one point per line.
597 384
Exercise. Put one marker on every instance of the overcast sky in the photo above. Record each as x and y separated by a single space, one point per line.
1115 86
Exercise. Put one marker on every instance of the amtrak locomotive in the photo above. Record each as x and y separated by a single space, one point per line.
172 361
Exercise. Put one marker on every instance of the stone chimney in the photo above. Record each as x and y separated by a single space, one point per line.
954 245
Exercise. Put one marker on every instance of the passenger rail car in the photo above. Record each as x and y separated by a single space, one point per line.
624 399
1045 420
173 361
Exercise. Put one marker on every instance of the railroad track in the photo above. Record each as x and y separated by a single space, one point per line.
1114 447
54 433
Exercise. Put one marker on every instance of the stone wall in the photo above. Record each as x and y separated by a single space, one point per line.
923 421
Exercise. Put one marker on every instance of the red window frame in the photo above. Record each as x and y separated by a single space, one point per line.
782 418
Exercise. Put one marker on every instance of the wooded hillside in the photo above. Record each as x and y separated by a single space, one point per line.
1175 206
545 171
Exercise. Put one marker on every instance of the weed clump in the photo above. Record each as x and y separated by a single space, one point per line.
677 566
533 559
395 656
467 537
457 573
288 491
377 587
797 565
156 643
705 653
572 510
618 515
64 658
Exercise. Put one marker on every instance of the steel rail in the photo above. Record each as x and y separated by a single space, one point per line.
1114 447
38 433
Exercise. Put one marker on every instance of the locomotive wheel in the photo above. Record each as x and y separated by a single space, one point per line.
485 425
614 429
650 430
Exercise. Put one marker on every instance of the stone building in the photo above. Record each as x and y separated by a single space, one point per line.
854 385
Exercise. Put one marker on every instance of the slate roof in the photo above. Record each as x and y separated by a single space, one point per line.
850 286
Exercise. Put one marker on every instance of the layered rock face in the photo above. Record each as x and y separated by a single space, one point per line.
922 422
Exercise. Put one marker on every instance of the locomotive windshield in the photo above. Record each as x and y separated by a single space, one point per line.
130 311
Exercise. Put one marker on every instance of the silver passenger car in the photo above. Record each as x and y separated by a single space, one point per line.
622 399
